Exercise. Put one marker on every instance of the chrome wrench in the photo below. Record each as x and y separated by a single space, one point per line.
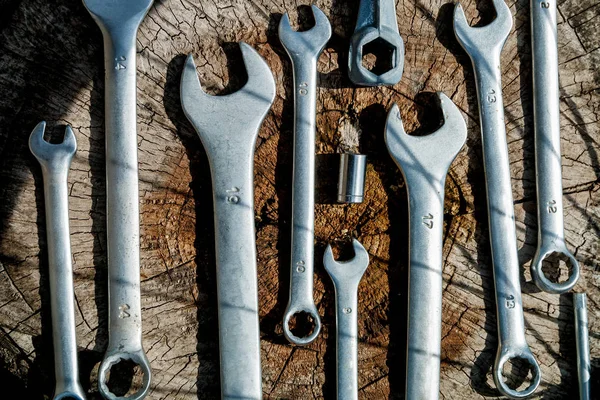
582 341
546 117
424 162
119 22
228 127
376 22
55 160
484 46
346 276
304 49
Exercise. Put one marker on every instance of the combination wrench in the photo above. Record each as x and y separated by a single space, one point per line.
119 22
304 49
546 118
55 160
376 22
424 162
228 127
346 276
484 46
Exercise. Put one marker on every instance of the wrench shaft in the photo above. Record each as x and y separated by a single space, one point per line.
122 201
509 306
303 184
61 280
346 317
233 195
583 344
425 287
547 121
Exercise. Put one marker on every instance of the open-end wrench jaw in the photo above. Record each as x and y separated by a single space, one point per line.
49 153
431 154
347 272
312 41
222 120
483 38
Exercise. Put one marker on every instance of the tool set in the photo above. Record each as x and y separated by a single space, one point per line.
228 127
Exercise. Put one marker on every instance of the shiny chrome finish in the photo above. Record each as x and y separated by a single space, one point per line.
346 276
424 162
351 179
228 127
55 160
484 46
376 21
583 345
304 49
119 22
546 113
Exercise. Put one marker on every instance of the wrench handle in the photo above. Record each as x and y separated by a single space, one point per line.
426 197
546 111
503 239
237 291
376 13
303 197
122 207
582 344
346 324
122 197
62 298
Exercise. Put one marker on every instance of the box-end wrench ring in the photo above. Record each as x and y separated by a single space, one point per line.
484 46
304 49
546 123
55 160
424 162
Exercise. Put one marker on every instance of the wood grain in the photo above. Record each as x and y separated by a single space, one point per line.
51 68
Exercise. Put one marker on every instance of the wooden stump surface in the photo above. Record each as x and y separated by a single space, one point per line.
51 68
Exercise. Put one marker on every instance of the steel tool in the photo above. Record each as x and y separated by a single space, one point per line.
546 117
583 344
376 24
55 160
304 49
424 162
484 45
119 22
346 276
228 127
351 178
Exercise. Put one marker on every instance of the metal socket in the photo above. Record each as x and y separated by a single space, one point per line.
351 181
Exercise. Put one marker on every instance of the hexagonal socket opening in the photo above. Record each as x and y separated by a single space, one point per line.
379 56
